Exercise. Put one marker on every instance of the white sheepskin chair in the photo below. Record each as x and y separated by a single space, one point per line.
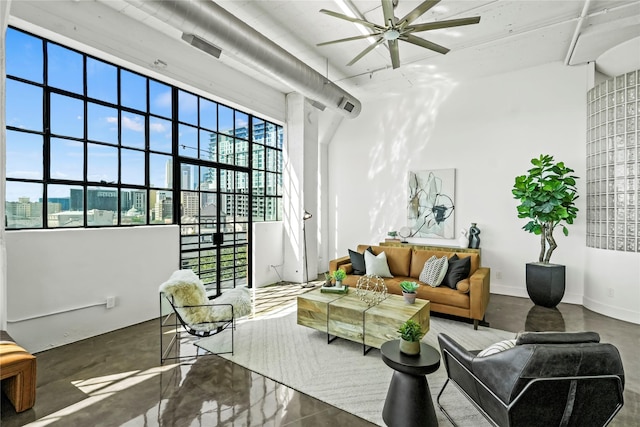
201 314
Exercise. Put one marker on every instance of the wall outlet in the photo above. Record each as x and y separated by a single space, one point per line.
111 302
498 275
610 293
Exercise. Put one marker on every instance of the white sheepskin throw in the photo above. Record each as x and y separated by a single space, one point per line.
188 290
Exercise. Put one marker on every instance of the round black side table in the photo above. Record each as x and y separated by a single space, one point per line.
408 402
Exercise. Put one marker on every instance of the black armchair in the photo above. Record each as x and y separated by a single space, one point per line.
547 379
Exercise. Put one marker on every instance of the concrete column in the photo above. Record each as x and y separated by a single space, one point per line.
4 19
300 190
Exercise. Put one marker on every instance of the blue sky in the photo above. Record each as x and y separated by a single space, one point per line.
65 71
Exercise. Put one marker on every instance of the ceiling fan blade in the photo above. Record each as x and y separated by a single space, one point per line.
367 50
395 53
346 40
443 24
387 11
418 11
424 43
350 19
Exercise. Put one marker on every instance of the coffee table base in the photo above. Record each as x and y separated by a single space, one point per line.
365 348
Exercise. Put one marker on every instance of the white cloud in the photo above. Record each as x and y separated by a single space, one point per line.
135 125
163 99
112 120
157 127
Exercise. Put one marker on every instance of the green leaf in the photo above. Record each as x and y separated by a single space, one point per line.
547 195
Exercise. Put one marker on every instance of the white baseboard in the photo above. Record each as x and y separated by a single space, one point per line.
612 311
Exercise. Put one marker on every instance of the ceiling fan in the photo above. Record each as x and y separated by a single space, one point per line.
395 29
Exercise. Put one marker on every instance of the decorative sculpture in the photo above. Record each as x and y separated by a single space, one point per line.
371 289
463 240
474 238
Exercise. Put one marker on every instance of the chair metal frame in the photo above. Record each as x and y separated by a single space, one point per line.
515 401
178 324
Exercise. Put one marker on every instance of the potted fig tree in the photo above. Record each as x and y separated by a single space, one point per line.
547 195
410 336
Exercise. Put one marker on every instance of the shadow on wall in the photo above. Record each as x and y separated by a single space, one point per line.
405 131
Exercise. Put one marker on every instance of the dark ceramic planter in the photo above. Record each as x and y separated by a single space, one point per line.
545 283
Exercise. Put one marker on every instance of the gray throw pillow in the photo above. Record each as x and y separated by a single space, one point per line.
357 262
459 269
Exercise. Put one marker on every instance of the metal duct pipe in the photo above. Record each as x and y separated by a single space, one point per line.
206 19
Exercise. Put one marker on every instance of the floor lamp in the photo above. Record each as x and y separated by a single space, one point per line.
306 216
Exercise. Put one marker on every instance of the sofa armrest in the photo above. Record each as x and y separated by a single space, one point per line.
343 262
479 292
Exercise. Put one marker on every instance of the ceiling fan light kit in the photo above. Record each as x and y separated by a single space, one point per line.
399 29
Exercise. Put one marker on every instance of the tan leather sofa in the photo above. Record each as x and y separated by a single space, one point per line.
469 300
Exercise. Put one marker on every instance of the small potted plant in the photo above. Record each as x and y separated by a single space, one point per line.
327 280
339 276
409 291
410 336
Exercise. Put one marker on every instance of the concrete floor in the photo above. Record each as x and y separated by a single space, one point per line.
116 379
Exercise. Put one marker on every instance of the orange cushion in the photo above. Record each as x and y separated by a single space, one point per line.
463 286
398 259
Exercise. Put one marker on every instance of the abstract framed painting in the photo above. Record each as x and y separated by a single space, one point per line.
431 210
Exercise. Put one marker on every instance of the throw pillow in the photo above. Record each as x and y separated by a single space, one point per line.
458 270
497 348
434 270
464 286
376 265
357 262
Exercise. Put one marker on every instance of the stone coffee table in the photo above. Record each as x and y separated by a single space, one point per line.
346 316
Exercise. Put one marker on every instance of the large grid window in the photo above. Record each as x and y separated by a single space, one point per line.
98 142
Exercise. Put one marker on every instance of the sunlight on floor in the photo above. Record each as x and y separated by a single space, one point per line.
100 388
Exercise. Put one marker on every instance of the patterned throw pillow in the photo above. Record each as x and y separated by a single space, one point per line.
434 270
497 348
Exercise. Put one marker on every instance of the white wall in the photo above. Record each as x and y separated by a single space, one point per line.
612 283
488 130
268 253
56 270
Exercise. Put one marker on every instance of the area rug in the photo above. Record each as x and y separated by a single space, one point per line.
338 373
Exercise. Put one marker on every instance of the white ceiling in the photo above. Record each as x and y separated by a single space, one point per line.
511 35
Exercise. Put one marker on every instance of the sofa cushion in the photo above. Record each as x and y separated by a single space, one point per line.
398 259
464 286
475 261
434 270
357 262
444 296
377 264
458 269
